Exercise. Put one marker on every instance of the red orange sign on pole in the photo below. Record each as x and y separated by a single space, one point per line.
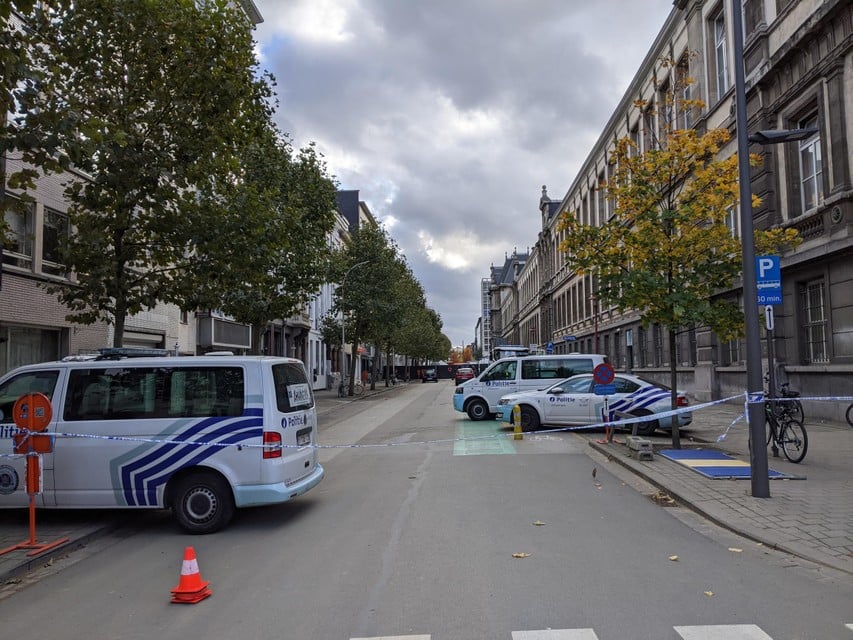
32 413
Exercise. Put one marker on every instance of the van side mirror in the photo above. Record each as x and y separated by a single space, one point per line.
556 391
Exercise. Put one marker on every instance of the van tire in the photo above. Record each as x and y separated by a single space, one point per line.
477 410
202 502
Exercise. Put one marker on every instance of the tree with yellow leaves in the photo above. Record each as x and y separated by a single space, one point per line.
667 252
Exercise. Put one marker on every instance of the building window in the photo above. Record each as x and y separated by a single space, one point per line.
733 222
720 53
54 234
18 248
811 174
683 90
642 345
813 305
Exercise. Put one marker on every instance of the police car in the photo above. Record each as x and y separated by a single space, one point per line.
573 402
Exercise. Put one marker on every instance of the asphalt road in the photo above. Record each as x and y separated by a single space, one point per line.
414 533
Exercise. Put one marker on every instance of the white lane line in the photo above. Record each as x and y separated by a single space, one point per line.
722 632
395 638
555 634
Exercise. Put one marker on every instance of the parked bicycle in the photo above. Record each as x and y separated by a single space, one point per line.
849 415
786 431
343 388
790 399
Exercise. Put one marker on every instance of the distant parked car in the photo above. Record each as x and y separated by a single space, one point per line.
463 374
430 375
573 402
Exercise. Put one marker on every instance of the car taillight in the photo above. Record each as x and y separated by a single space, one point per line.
683 401
272 444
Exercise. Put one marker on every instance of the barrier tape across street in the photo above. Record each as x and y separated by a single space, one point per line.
755 398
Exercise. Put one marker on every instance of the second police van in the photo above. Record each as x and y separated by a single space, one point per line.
479 397
200 435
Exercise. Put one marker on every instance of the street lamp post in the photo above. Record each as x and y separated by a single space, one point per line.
754 379
754 384
343 318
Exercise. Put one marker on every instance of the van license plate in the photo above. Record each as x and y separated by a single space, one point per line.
303 437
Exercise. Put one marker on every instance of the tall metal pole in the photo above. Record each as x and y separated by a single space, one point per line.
754 382
343 319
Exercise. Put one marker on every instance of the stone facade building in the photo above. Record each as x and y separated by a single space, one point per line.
798 60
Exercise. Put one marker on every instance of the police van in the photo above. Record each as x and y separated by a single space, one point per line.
200 435
479 397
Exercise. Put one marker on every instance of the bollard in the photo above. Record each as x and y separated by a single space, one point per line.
516 421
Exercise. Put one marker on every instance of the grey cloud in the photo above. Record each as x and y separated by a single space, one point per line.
546 72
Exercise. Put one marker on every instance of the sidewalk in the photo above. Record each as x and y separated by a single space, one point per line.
810 518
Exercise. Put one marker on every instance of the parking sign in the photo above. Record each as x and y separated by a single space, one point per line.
768 280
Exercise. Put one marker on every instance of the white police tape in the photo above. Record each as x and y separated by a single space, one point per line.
749 399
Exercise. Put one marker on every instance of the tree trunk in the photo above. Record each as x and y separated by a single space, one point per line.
118 323
673 385
257 335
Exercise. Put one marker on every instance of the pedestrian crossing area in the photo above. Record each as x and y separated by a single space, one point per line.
698 632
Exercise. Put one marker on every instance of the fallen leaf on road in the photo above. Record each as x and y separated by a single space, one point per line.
673 558
710 594
521 555
538 523
735 550
662 498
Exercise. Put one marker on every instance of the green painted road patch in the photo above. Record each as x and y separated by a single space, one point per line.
486 438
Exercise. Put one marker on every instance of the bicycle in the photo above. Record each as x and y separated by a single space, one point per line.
343 388
790 399
849 414
786 431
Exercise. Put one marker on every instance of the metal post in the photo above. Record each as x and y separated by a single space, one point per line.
754 383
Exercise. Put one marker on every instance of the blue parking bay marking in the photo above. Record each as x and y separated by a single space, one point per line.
716 464
487 438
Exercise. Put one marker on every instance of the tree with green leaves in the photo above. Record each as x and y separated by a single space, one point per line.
666 252
364 268
145 99
274 215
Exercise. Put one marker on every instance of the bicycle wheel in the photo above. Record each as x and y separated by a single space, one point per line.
794 440
358 388
849 415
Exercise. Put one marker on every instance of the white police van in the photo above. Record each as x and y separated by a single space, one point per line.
479 397
200 435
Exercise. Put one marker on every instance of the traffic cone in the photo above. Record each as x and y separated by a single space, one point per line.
191 588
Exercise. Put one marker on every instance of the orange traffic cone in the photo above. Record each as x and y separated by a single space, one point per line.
191 588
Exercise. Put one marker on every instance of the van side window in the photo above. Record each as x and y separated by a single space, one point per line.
31 382
146 392
292 391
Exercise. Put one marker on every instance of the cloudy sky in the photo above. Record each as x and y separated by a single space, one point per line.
448 116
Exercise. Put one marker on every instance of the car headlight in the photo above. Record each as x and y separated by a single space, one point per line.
503 401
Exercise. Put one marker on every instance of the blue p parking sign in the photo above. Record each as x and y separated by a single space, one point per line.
768 278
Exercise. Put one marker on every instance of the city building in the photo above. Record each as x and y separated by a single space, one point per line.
798 58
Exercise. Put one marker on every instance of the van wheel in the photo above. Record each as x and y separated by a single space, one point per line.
202 502
477 410
529 419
